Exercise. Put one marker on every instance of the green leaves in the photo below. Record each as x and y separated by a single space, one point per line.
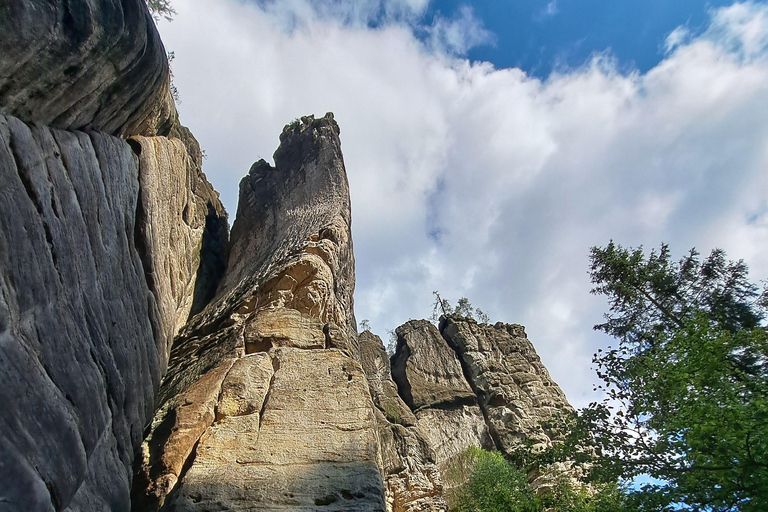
686 388
489 483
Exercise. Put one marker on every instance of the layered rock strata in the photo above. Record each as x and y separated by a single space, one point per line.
429 378
265 406
83 64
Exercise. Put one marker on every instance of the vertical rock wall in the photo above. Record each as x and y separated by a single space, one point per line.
429 378
411 476
97 259
79 359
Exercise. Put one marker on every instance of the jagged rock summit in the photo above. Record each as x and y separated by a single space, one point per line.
149 361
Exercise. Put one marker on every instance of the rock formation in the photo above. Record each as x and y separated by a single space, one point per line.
430 380
411 476
88 304
514 389
85 65
265 405
149 362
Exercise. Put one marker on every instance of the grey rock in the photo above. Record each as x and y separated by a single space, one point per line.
79 360
84 64
375 362
426 370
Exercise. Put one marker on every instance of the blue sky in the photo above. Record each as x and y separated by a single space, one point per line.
476 171
540 36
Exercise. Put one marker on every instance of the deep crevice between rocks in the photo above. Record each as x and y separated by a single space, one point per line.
479 395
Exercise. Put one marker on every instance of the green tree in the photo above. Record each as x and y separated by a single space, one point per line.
484 481
443 307
686 387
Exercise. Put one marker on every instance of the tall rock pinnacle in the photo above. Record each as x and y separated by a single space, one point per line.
265 405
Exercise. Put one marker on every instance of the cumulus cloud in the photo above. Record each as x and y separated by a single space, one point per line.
485 182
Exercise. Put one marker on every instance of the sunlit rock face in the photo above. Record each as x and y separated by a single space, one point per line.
513 386
265 405
429 377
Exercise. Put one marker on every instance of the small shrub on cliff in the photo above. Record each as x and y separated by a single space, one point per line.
443 307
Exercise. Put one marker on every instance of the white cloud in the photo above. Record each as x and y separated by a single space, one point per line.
486 182
678 36
458 34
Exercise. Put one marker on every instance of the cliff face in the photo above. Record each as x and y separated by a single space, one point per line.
149 362
85 64
96 263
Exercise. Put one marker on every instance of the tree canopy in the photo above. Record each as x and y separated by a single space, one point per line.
686 387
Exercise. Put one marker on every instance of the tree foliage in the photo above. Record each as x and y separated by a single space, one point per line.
489 483
161 9
686 387
443 307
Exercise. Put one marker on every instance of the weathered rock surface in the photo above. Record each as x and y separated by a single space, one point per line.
80 363
426 370
411 477
429 378
514 388
180 219
84 64
303 436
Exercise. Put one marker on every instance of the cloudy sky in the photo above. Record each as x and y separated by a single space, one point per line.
489 146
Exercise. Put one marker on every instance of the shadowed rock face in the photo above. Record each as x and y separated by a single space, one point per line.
264 405
85 64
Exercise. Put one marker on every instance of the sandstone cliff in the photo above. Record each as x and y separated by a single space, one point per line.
265 405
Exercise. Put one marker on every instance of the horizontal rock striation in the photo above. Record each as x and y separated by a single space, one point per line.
83 64
265 406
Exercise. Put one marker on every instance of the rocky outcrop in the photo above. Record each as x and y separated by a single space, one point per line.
84 64
429 378
513 387
230 432
411 477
